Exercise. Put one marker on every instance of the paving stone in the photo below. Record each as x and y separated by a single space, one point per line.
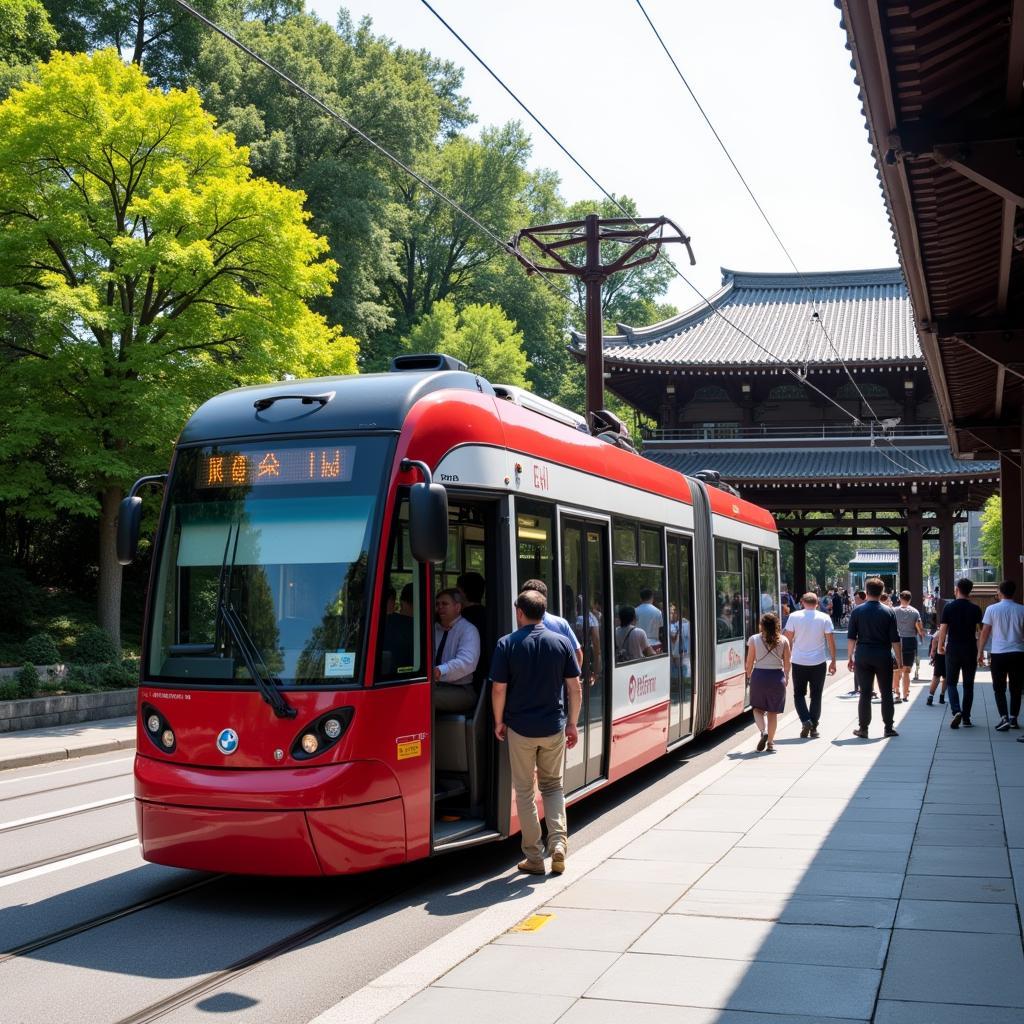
891 1012
607 1011
930 966
839 838
670 871
963 810
735 939
601 894
959 837
465 1006
739 985
989 822
958 889
571 928
553 972
812 882
836 810
670 844
970 861
824 857
952 916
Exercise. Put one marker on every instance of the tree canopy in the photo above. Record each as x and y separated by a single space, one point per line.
990 540
142 268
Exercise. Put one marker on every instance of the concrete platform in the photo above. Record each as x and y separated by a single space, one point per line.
59 742
835 880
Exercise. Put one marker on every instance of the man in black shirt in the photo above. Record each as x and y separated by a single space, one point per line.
958 640
875 638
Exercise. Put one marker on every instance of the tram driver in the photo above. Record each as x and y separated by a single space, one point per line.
456 654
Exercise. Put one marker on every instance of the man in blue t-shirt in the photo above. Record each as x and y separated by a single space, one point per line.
534 675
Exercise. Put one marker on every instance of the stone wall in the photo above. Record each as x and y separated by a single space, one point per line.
40 712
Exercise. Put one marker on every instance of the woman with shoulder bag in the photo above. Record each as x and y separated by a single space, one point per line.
767 666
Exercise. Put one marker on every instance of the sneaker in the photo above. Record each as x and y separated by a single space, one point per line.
1003 724
558 859
889 732
863 734
967 723
805 730
763 741
532 867
929 701
954 722
814 732
942 700
1013 723
1020 739
897 700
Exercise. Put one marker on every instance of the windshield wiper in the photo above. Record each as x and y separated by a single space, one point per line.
265 682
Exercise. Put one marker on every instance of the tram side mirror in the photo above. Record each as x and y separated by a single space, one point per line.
129 517
428 522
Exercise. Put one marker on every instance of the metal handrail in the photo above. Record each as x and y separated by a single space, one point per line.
824 431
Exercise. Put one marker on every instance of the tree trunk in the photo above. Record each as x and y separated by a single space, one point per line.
109 598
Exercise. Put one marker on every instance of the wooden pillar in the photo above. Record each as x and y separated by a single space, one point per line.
904 566
946 570
915 559
799 565
1013 521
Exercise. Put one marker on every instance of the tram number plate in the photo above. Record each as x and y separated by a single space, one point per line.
409 748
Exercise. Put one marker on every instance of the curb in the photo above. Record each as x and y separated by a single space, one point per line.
65 753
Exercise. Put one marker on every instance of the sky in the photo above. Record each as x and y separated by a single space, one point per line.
774 78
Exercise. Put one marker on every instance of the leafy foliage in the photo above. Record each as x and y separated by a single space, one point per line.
990 540
28 681
41 649
480 335
95 647
26 36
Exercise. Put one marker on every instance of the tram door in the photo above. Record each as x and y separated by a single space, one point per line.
751 603
682 636
585 605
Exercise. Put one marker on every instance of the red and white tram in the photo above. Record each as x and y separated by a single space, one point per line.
285 716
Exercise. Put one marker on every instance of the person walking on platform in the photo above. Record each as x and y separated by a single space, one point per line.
812 643
1004 623
958 641
768 670
908 622
938 663
536 696
873 641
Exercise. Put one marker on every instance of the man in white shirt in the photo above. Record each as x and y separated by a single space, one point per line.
456 653
1004 623
811 637
649 617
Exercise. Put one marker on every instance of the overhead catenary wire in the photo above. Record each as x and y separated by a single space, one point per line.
801 377
503 244
760 209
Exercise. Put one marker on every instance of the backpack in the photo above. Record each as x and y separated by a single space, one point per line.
622 649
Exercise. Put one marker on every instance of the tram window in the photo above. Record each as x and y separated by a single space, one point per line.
728 591
401 654
638 582
769 580
535 547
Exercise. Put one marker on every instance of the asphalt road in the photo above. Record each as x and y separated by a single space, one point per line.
76 945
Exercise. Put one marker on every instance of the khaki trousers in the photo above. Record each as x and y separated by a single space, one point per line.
545 756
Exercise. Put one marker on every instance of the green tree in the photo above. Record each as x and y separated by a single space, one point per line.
388 93
26 36
482 336
991 538
142 269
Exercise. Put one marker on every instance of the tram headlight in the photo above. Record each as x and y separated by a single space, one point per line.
310 744
167 738
332 728
153 723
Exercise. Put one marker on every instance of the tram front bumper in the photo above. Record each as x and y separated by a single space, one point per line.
333 819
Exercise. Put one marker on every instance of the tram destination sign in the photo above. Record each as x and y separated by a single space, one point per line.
331 464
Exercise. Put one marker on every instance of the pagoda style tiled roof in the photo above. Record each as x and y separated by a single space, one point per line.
867 559
866 313
755 465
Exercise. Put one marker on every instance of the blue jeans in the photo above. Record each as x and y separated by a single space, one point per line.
960 660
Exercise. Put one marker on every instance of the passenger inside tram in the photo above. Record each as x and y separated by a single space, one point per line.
631 642
397 639
456 654
650 618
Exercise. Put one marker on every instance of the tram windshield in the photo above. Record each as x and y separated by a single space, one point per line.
263 562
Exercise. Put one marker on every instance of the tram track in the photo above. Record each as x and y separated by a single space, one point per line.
101 919
265 955
57 858
67 812
67 785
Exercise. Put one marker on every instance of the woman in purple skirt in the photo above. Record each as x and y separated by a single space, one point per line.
768 668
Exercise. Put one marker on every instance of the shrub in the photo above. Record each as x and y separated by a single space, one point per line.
8 691
20 597
110 676
28 681
41 650
94 647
